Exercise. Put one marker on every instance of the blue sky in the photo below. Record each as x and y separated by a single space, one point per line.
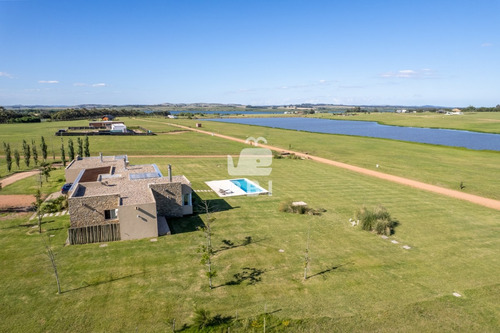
250 52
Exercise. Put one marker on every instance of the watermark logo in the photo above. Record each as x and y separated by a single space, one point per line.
252 161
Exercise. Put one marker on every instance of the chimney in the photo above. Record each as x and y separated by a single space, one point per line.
169 173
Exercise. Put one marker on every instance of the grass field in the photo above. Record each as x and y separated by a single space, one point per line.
437 165
358 281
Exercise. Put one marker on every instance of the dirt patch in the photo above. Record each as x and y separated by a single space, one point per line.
16 201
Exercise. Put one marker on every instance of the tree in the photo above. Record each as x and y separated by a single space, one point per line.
8 156
71 150
17 158
26 153
39 210
35 152
52 258
306 255
43 147
63 154
87 147
80 147
206 249
45 169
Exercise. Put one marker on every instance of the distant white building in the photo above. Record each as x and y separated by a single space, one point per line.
454 112
120 128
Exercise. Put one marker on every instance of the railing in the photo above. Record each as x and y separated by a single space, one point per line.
94 234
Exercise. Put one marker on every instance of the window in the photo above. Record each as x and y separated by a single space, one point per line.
187 199
111 214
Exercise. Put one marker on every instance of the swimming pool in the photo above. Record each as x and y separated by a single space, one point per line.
235 187
248 186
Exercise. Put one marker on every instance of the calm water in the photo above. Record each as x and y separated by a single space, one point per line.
454 138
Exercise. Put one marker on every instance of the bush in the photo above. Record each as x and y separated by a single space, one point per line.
55 205
378 220
288 207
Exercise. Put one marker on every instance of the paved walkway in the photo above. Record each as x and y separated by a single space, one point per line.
486 202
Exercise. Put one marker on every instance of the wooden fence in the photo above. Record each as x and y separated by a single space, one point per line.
94 234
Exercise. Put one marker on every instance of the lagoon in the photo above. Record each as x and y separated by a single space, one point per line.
445 137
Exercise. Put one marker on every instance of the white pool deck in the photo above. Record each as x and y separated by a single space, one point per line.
225 188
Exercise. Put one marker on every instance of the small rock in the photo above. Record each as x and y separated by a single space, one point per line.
34 227
281 250
153 240
51 235
406 247
103 245
457 295
394 241
384 236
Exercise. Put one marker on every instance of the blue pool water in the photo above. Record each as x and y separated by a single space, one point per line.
247 186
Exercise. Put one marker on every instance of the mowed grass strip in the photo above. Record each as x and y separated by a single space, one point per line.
358 281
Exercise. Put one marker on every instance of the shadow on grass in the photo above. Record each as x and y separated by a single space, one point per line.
30 224
194 222
228 244
250 275
328 270
214 205
97 283
204 322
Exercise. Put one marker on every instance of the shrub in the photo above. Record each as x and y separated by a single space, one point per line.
378 220
55 205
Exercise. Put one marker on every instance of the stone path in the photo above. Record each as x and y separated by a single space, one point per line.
64 212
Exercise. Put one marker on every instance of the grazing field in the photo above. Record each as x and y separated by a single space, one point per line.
357 281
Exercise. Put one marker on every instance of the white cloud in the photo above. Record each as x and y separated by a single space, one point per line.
6 75
49 81
486 44
409 74
80 84
99 85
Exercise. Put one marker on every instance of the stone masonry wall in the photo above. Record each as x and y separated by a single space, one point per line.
86 211
168 198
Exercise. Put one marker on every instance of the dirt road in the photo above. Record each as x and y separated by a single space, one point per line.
486 202
17 176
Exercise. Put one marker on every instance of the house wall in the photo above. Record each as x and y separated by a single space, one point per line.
168 197
138 221
86 211
187 210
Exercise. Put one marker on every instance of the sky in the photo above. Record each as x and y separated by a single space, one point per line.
260 52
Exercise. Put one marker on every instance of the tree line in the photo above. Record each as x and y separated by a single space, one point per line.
34 115
30 152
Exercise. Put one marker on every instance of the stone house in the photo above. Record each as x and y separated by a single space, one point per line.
113 200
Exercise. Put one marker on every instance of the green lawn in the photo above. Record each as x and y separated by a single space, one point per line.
358 281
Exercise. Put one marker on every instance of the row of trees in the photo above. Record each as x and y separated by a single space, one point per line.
31 152
33 115
82 149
